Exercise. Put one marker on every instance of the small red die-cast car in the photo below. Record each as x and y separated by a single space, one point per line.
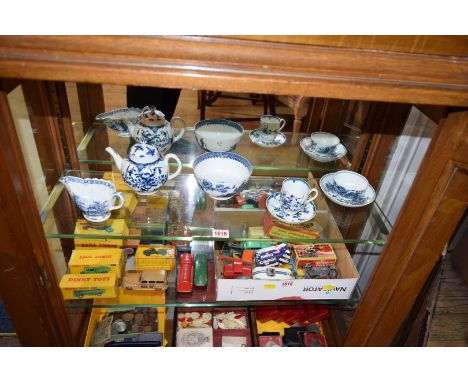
185 275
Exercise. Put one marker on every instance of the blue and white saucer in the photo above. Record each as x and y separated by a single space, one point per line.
339 152
256 137
274 207
329 189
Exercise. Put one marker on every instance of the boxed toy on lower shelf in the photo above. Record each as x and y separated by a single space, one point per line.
102 233
296 326
126 327
217 327
272 273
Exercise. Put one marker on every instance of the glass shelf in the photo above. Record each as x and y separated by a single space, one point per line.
288 159
183 213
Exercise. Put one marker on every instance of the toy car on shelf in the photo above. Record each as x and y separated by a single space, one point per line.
155 251
200 278
145 280
185 274
234 268
96 269
326 272
90 293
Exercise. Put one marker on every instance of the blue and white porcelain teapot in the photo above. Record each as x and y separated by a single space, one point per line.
145 170
152 128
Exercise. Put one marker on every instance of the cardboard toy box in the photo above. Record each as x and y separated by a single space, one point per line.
88 286
275 228
118 181
318 255
113 227
96 260
123 298
155 257
297 289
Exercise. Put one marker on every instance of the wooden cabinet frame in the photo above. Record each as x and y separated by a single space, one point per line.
431 212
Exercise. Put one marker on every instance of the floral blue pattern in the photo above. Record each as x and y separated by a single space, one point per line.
328 186
257 138
145 178
114 119
221 189
94 202
297 217
345 196
159 136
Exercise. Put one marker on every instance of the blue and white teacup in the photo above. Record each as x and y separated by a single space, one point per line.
270 126
295 194
324 143
350 184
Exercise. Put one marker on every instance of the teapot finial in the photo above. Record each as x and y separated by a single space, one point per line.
151 116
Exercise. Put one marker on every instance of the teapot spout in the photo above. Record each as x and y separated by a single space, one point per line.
117 158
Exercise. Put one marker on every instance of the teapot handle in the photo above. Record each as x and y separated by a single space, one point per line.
179 167
182 129
118 195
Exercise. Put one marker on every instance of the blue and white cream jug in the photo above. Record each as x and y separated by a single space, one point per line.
152 128
145 170
96 198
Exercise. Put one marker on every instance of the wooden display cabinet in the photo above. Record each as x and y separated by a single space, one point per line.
386 74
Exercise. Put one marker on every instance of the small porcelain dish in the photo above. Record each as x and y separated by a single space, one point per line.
221 174
338 153
115 119
324 143
256 137
218 134
329 188
275 207
350 184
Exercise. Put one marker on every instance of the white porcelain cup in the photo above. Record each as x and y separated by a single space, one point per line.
272 123
295 193
350 184
324 143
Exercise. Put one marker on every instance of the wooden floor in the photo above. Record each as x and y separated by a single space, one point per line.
449 324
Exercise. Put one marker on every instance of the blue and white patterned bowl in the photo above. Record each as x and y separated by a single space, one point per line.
115 119
218 134
323 143
329 188
221 174
306 146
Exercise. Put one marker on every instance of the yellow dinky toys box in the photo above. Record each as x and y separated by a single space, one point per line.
89 286
318 255
131 201
155 257
112 227
96 260
116 178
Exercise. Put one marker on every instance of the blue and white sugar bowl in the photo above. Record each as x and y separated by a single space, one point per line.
145 170
222 174
349 184
324 143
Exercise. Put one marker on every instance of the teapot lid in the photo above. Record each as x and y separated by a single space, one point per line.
143 153
152 117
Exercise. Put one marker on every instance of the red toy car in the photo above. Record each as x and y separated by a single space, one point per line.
185 275
238 268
